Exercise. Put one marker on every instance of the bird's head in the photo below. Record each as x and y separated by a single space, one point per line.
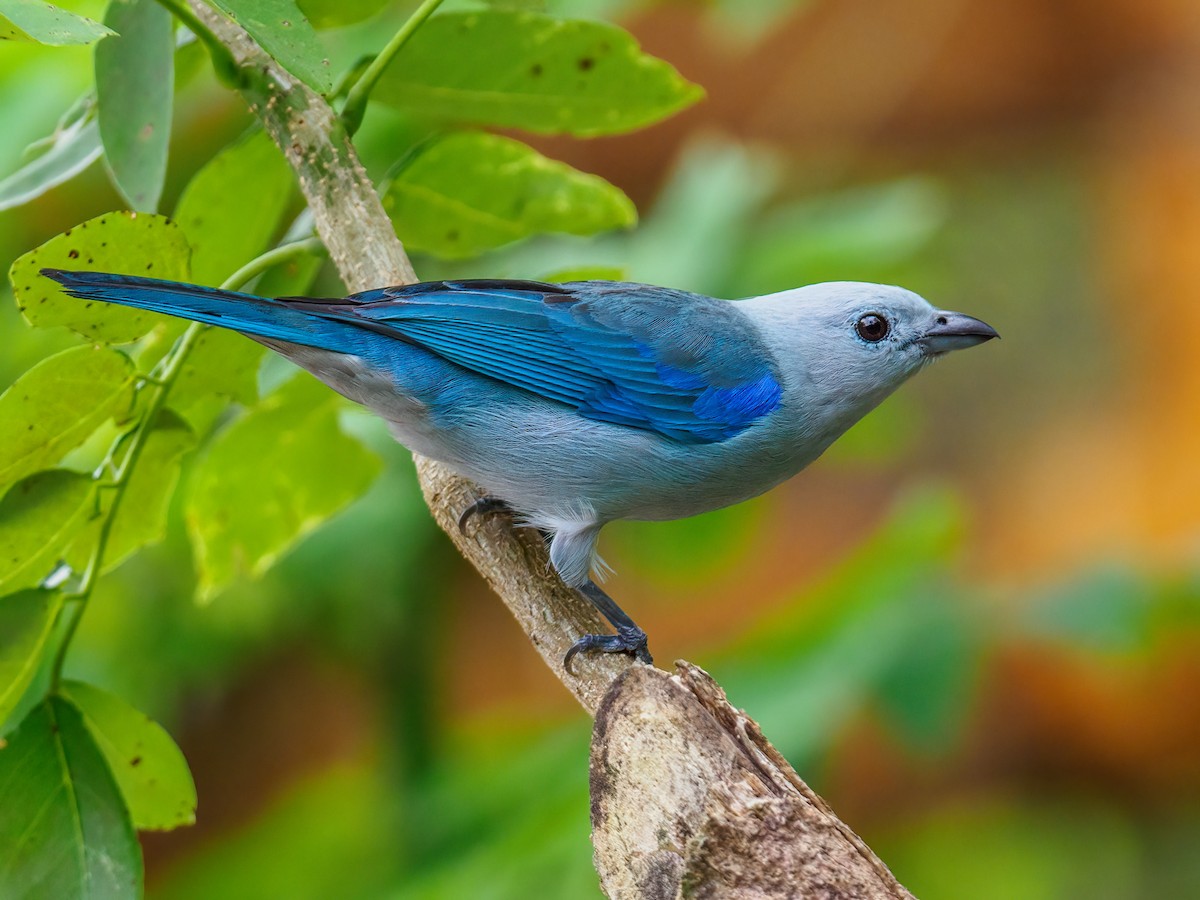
858 342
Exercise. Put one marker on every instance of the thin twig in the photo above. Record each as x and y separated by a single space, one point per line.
356 101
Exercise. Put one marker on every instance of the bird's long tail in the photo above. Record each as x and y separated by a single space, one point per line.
255 316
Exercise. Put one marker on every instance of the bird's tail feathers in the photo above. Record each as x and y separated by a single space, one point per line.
256 316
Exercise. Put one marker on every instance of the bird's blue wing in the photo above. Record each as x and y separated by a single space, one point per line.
686 366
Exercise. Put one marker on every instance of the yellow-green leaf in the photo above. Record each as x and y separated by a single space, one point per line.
141 519
43 23
127 243
470 192
150 770
232 207
338 13
269 479
39 517
57 404
25 623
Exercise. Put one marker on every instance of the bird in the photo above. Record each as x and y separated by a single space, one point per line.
577 404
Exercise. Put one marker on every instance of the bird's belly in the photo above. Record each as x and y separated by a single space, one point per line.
554 464
547 460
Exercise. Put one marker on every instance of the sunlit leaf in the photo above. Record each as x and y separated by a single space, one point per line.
282 30
64 830
26 620
39 517
587 273
222 362
232 207
43 23
230 211
71 150
127 243
150 770
141 519
269 479
524 70
336 13
135 76
470 192
290 279
54 406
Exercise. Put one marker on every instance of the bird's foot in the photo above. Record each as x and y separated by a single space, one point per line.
483 507
631 640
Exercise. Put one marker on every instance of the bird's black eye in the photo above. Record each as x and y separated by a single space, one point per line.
872 327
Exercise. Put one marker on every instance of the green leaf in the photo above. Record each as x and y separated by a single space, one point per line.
290 279
26 620
149 768
128 243
814 664
142 516
336 13
64 830
289 464
232 207
469 192
928 692
282 30
54 406
71 149
39 517
524 70
135 77
222 362
587 273
39 22
230 211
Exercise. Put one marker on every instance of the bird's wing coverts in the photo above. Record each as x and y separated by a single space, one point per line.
684 365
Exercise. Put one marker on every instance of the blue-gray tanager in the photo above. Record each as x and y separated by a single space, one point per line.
577 404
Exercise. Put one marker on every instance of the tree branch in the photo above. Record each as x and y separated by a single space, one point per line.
363 245
690 800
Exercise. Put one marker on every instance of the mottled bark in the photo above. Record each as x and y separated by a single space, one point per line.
690 800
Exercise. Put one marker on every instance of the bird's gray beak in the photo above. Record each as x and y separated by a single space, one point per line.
955 331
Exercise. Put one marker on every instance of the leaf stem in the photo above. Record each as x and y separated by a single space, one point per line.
356 101
271 258
168 373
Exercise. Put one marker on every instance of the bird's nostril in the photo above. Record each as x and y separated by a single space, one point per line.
941 320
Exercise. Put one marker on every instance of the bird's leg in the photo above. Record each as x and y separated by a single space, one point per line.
483 507
628 639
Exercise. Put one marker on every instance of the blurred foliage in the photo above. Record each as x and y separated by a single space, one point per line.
893 636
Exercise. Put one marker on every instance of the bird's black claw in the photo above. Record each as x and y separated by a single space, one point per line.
626 640
483 507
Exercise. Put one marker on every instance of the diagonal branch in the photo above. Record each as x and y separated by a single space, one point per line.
688 797
363 245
